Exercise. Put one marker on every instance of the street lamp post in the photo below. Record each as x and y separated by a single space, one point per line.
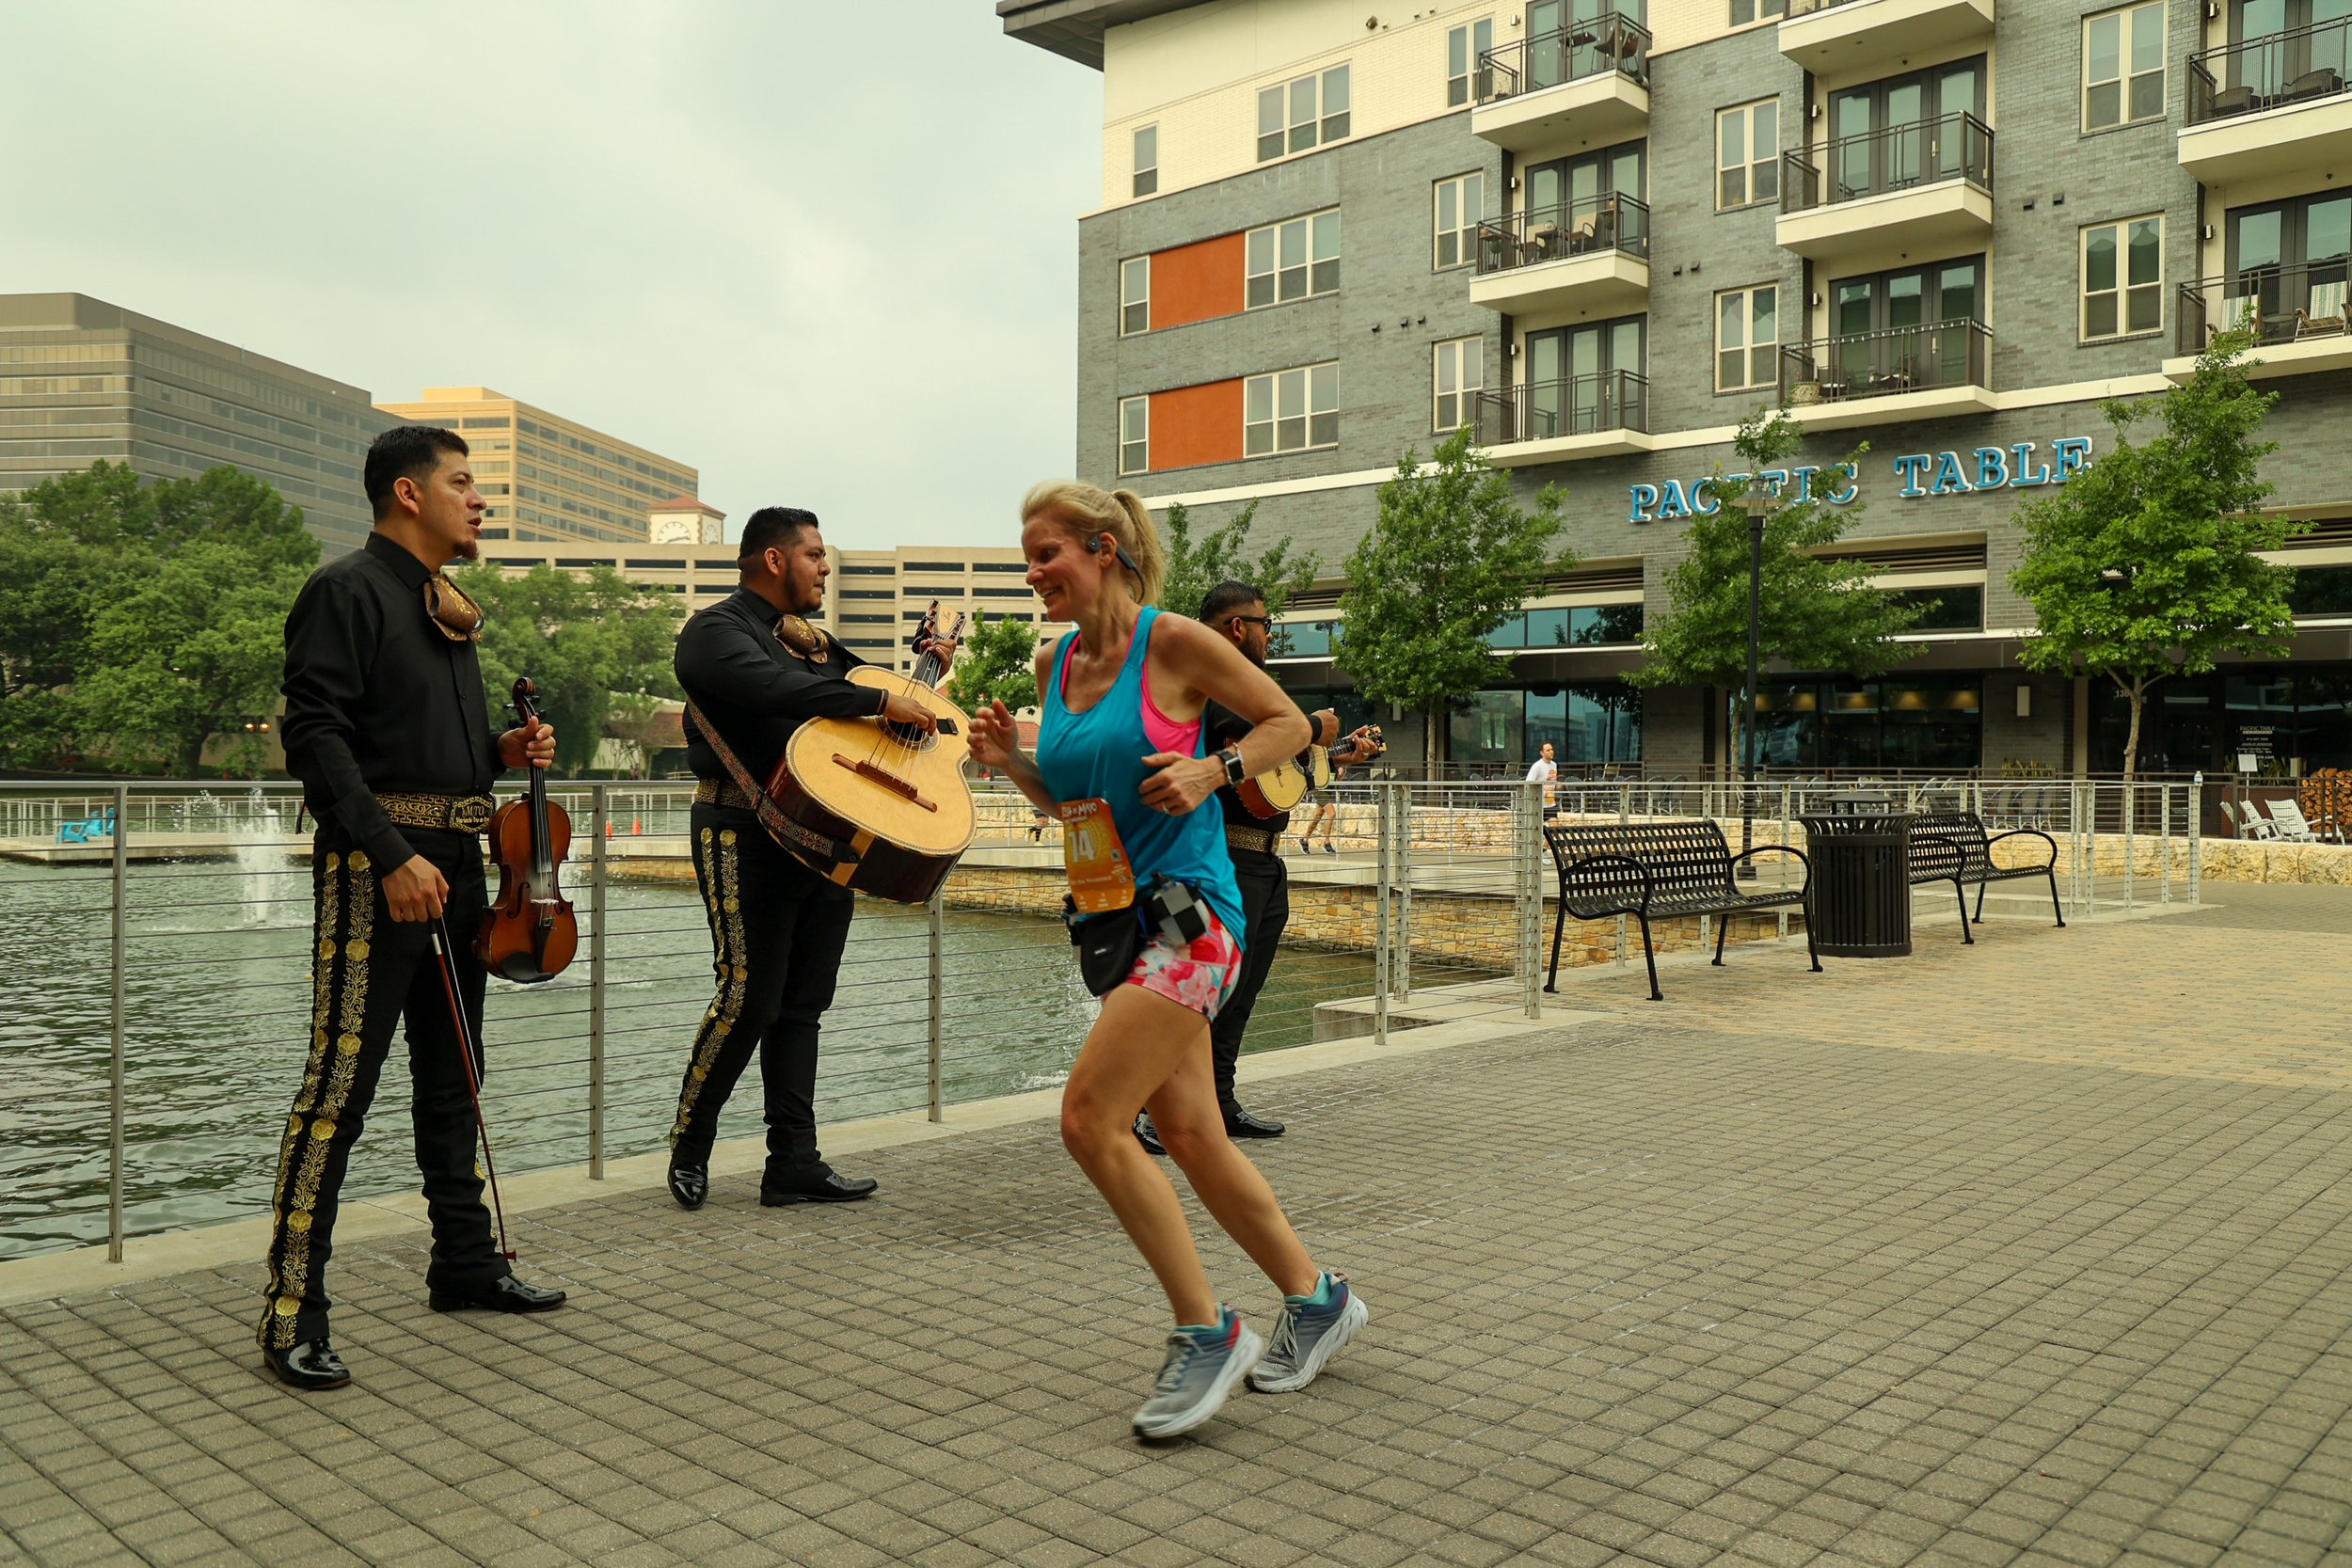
1757 501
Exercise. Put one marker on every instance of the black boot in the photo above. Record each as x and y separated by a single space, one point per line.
690 1185
310 1366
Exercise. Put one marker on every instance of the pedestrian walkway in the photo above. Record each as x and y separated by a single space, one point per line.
2036 1252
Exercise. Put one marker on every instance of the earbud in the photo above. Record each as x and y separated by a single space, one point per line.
1094 544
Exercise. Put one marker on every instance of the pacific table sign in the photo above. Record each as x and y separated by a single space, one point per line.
888 802
1923 474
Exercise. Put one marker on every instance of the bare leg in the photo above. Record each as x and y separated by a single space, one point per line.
1233 1189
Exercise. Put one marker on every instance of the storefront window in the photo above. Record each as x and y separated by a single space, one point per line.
2322 591
1304 639
1586 722
2288 719
1926 722
1584 627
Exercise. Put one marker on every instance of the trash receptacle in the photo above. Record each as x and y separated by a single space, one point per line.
1861 904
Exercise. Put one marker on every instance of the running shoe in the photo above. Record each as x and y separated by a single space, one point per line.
1204 1365
1309 1334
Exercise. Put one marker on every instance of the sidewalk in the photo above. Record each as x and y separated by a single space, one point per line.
2036 1252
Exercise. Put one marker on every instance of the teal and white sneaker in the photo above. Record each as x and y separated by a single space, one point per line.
1309 1332
1204 1365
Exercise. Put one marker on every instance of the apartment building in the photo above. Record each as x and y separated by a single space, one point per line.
1601 232
547 478
81 380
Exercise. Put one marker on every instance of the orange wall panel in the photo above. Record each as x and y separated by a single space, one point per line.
1196 424
1193 282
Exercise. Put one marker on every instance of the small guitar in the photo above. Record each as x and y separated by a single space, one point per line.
1272 793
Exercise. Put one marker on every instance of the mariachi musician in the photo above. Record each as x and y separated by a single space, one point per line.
389 731
754 667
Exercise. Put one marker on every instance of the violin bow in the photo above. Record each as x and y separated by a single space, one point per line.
473 1079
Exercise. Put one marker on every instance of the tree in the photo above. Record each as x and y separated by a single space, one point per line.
1218 556
997 662
1814 612
642 724
1451 555
2144 565
582 640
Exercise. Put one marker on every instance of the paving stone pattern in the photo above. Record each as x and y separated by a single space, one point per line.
1984 1258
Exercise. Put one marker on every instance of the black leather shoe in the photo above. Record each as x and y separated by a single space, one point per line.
831 1187
310 1365
503 1295
690 1185
1241 1124
1149 1135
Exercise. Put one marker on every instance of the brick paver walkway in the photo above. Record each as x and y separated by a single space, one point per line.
2033 1253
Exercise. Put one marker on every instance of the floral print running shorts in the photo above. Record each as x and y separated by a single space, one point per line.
1201 975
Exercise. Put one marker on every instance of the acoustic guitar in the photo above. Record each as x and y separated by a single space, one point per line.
1273 793
881 808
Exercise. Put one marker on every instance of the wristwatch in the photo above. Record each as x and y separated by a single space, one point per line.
1234 771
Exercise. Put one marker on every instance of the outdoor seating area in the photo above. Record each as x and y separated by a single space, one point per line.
1954 847
1662 870
2286 823
90 829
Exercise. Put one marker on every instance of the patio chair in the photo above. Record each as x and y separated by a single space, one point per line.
2314 84
2324 315
2287 817
2239 100
2250 824
2239 313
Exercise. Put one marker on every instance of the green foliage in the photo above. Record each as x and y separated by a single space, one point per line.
1219 555
997 661
151 617
2145 565
1452 554
582 639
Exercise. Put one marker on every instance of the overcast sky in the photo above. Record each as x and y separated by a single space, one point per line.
827 253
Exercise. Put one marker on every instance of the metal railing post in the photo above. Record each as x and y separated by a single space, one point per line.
2164 841
935 992
599 873
114 1065
1402 970
1625 819
2197 839
1781 914
1529 844
2130 891
1383 794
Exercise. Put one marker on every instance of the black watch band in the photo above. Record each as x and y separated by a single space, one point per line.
1234 772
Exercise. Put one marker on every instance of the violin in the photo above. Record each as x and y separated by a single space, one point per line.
528 934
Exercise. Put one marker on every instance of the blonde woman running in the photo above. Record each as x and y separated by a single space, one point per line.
1120 724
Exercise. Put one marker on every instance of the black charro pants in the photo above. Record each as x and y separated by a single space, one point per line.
1265 910
777 930
368 975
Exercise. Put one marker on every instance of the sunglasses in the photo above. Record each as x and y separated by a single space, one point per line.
455 615
1266 621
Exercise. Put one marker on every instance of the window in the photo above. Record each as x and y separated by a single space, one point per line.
1291 410
1291 260
1134 435
1463 45
1747 338
1747 156
1745 11
1461 201
2122 278
1146 159
1288 116
848 570
865 594
1453 381
1135 295
2124 66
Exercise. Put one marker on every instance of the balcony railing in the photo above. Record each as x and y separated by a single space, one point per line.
1583 228
2277 303
2264 73
1886 363
1573 405
1807 8
1893 158
1593 48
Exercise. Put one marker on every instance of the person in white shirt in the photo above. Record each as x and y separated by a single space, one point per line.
1544 770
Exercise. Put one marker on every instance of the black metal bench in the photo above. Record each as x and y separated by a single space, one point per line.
1952 846
1663 869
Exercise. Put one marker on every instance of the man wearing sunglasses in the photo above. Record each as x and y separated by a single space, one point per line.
389 730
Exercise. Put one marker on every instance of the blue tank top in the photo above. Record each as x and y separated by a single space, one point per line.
1099 754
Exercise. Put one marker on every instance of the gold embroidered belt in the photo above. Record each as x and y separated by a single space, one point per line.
462 813
723 792
1262 841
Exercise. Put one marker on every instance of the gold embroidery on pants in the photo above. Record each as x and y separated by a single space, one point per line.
722 899
326 923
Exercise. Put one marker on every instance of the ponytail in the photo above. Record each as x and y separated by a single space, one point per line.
1088 510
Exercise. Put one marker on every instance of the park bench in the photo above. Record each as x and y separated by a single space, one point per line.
1952 846
1666 870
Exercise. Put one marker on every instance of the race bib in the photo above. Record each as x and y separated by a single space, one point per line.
1102 879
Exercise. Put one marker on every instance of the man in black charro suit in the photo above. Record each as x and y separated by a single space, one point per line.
389 731
755 668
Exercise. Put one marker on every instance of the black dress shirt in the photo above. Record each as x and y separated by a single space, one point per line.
757 690
378 700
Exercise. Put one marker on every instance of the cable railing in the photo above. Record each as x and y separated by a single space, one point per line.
2278 303
1889 158
2277 70
1588 225
1571 405
1596 46
1885 363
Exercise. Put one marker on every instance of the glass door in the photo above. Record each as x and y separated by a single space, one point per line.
1887 135
1546 45
1582 379
1547 389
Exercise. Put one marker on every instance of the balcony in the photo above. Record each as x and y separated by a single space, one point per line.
2269 105
1903 372
1873 38
1928 185
2298 315
1554 422
1588 257
1586 84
